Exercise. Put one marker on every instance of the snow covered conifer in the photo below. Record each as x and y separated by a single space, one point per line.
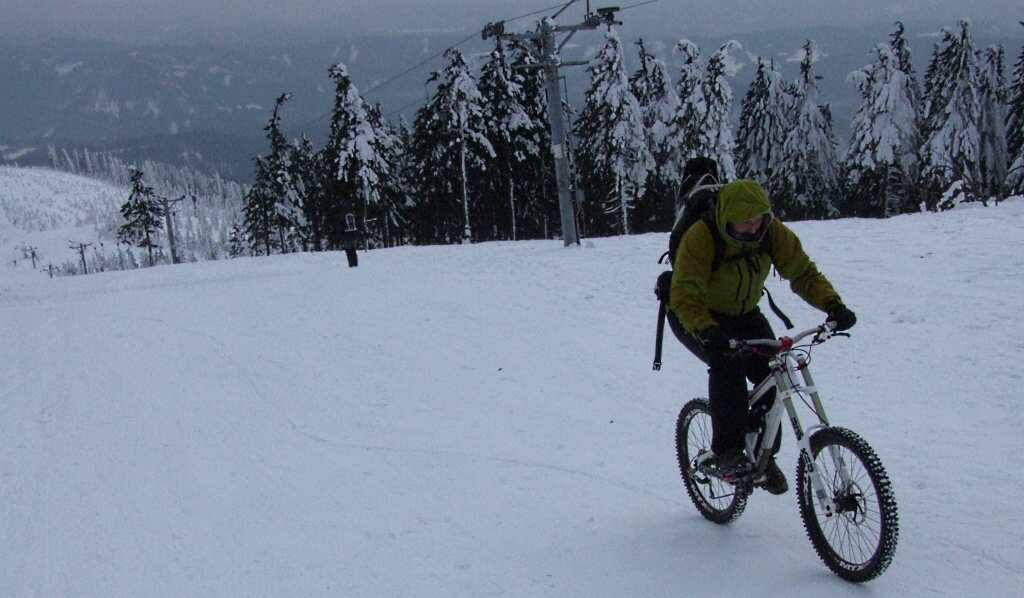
452 153
763 126
951 129
614 158
354 158
715 132
684 127
287 212
270 206
881 162
540 207
515 136
143 213
386 221
993 152
810 165
259 211
659 103
1015 128
309 181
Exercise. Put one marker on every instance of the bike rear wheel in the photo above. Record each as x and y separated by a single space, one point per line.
716 500
858 541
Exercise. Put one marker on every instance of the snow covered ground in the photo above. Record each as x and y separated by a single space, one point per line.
484 420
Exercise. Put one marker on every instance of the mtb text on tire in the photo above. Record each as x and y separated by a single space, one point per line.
845 497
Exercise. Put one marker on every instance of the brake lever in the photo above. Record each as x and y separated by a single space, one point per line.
741 351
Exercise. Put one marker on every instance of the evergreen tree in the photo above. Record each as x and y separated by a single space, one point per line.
260 211
385 219
451 152
715 132
659 103
353 158
992 97
143 214
614 157
514 136
763 127
270 210
308 179
1015 128
287 215
684 128
809 151
881 161
912 160
952 117
541 214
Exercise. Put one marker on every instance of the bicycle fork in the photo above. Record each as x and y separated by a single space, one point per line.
789 388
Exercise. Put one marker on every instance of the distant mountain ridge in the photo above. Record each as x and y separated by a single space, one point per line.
205 106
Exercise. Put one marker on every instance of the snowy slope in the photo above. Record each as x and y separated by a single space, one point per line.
50 211
484 420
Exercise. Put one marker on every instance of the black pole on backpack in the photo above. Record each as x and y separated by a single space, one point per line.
660 336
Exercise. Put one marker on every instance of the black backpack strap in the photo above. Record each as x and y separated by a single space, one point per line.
778 312
719 257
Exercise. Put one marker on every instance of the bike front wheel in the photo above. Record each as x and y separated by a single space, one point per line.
858 541
715 499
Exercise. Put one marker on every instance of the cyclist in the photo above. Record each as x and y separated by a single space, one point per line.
710 307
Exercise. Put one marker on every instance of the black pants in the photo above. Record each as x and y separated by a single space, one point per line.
353 257
727 376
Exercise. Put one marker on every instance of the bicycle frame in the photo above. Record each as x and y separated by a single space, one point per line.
784 363
845 496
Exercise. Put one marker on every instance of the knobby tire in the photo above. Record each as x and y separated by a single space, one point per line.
717 500
857 542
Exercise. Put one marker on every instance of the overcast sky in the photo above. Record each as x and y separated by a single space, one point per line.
201 20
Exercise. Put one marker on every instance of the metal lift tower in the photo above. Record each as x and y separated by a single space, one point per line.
547 58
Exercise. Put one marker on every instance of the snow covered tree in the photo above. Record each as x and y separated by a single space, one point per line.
143 213
715 138
259 211
614 157
684 127
881 162
992 97
308 179
1015 128
287 215
763 127
353 158
452 153
271 213
900 48
541 215
385 218
912 162
515 136
951 129
658 102
810 165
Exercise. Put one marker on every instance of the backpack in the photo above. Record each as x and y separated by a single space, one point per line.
696 200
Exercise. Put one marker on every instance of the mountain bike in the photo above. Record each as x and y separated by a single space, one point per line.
845 496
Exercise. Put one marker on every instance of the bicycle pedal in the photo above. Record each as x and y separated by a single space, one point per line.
743 472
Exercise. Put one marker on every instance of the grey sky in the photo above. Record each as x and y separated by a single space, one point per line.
201 20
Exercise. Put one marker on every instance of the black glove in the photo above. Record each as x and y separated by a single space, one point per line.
715 339
841 315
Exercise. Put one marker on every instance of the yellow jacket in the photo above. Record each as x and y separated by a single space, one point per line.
735 288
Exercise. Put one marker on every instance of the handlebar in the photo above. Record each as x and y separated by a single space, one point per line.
821 334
